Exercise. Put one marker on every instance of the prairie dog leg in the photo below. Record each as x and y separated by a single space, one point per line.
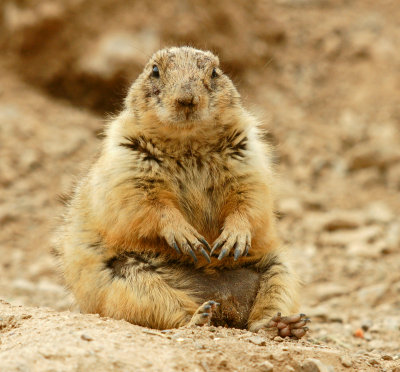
135 288
277 295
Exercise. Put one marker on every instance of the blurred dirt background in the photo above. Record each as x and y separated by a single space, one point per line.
323 75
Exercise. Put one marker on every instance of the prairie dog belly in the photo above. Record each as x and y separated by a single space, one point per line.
234 289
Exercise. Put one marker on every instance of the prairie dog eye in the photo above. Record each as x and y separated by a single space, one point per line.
155 72
214 73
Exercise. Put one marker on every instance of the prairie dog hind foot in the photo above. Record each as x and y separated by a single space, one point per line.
288 326
203 314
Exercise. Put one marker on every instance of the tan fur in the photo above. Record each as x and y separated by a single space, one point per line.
171 173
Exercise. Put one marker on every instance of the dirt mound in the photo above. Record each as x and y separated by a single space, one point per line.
322 74
44 340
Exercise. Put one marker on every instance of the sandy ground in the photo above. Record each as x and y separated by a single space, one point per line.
324 78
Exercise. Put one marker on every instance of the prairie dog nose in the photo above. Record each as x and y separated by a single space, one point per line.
187 100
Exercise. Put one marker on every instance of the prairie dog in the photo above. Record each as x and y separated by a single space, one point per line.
174 225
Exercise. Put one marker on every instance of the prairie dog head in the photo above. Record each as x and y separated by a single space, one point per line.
182 88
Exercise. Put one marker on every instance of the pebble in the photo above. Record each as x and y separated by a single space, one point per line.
200 346
393 237
346 361
393 177
265 367
345 237
86 337
367 156
325 313
366 324
314 365
338 220
335 220
387 357
325 291
257 340
291 207
373 362
372 294
278 339
359 333
176 336
362 249
379 212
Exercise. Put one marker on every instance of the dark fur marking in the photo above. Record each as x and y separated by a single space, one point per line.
117 264
181 185
199 163
64 198
241 146
146 184
139 145
152 157
231 147
95 245
207 86
179 164
55 252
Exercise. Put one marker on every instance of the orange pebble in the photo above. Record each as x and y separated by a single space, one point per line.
359 333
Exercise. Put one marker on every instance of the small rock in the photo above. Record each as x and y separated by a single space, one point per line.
367 155
199 346
314 365
278 339
344 238
379 212
289 369
373 362
291 207
281 357
346 361
22 285
266 366
359 333
325 291
86 337
176 336
368 177
367 337
313 201
363 249
366 325
257 340
387 357
338 220
372 294
362 157
393 237
393 177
